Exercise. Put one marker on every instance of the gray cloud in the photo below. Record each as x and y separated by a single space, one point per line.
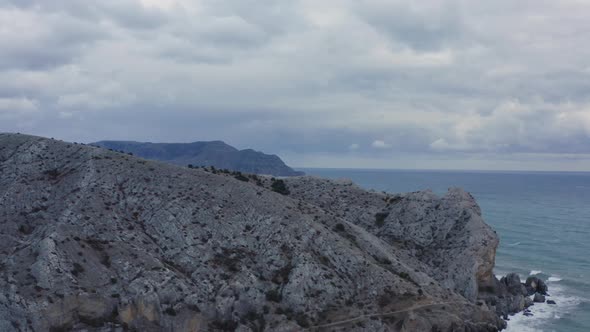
419 26
38 41
309 80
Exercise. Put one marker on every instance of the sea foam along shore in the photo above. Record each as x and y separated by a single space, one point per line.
544 313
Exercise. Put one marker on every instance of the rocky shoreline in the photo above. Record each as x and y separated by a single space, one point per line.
509 296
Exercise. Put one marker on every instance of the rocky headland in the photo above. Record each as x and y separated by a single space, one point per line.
97 240
214 153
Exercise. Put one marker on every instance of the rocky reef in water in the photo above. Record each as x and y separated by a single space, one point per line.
97 240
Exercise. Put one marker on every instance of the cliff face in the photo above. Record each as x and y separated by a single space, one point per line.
215 153
99 240
446 234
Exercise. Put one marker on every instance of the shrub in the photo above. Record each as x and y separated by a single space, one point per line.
280 187
26 229
384 300
77 269
170 311
380 218
240 177
254 320
302 320
282 275
406 276
52 173
339 227
274 296
224 325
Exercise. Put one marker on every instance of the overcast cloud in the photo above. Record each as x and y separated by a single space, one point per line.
361 83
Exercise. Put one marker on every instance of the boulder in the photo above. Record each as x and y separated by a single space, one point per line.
538 298
551 302
516 303
513 284
535 285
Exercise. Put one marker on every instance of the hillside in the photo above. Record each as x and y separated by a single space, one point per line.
214 153
98 240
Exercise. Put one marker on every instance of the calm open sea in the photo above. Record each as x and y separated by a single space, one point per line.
542 218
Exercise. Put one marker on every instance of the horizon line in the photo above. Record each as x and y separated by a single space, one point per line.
439 170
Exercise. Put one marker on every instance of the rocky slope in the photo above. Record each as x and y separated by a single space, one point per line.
214 153
98 240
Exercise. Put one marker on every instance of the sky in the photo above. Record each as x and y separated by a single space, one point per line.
355 84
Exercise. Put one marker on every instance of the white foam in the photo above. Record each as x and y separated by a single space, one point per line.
554 279
514 244
535 272
543 312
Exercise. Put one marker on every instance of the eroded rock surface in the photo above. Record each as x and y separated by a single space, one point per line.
99 240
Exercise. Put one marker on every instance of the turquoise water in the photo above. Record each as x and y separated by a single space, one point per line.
542 218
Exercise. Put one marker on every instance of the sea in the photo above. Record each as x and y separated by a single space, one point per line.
542 219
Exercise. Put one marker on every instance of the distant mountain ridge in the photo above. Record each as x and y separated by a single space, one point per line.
208 153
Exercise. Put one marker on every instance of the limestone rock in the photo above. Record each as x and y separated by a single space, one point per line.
536 285
98 240
539 298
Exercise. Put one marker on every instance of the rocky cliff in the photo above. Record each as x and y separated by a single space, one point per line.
214 153
98 240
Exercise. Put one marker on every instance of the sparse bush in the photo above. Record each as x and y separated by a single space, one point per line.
279 186
395 199
380 218
406 276
384 300
224 325
302 320
52 173
254 320
25 229
170 311
77 269
274 295
282 275
241 177
339 227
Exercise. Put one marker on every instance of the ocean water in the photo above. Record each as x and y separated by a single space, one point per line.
542 218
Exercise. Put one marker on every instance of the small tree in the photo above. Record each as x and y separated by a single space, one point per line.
280 187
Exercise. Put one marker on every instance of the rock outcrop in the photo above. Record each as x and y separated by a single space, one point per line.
535 285
447 234
98 240
215 153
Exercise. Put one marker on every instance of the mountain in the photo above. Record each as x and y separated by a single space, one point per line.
214 153
98 240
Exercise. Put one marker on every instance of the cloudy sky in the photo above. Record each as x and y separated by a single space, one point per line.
499 84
